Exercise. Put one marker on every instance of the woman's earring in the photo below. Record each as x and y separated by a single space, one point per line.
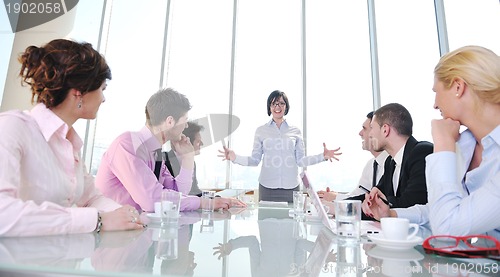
80 103
456 95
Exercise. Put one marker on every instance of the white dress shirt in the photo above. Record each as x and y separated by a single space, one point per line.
366 179
397 171
281 151
44 187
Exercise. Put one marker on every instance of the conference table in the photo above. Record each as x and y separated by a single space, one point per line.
256 241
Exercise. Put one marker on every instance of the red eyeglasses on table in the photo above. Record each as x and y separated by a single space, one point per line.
473 246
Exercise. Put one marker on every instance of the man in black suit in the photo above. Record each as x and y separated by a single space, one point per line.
403 182
172 161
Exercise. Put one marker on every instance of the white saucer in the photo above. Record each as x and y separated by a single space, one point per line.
388 254
395 244
154 217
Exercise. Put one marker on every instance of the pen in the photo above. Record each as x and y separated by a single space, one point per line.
363 188
385 201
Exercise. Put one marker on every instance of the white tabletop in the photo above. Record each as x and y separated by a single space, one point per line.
264 242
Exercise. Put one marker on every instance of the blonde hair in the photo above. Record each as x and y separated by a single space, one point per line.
479 67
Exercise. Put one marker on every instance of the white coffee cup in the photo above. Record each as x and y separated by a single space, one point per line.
158 208
395 228
167 204
170 206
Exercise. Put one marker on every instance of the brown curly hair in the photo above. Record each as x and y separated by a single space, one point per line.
60 65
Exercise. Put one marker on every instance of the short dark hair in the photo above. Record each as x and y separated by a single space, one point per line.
192 129
397 116
273 97
166 102
370 115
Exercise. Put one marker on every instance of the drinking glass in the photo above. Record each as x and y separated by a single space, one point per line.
170 206
348 218
207 201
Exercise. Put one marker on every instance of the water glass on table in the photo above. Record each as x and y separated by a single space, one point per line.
170 206
299 202
207 201
348 218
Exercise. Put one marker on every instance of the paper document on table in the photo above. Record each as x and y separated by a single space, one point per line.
232 192
367 227
263 203
370 227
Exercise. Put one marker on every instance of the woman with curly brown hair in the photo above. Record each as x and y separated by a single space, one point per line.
44 187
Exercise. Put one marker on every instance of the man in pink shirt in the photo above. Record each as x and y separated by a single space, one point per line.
126 173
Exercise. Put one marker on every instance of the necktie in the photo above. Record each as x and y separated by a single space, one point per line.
392 166
158 161
374 180
168 164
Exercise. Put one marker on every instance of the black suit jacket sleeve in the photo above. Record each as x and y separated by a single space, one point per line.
360 197
412 188
357 197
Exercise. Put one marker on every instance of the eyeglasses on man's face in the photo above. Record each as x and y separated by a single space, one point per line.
474 246
281 104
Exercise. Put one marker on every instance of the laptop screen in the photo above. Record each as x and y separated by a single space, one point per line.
366 226
316 201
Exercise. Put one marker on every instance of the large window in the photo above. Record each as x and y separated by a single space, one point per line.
6 38
267 59
198 64
473 23
86 27
339 92
408 52
133 48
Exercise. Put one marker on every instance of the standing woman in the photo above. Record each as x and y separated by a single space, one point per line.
281 148
44 187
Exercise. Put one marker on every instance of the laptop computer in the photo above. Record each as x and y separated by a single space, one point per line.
316 201
367 227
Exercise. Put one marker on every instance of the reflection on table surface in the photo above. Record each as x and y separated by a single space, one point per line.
249 242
